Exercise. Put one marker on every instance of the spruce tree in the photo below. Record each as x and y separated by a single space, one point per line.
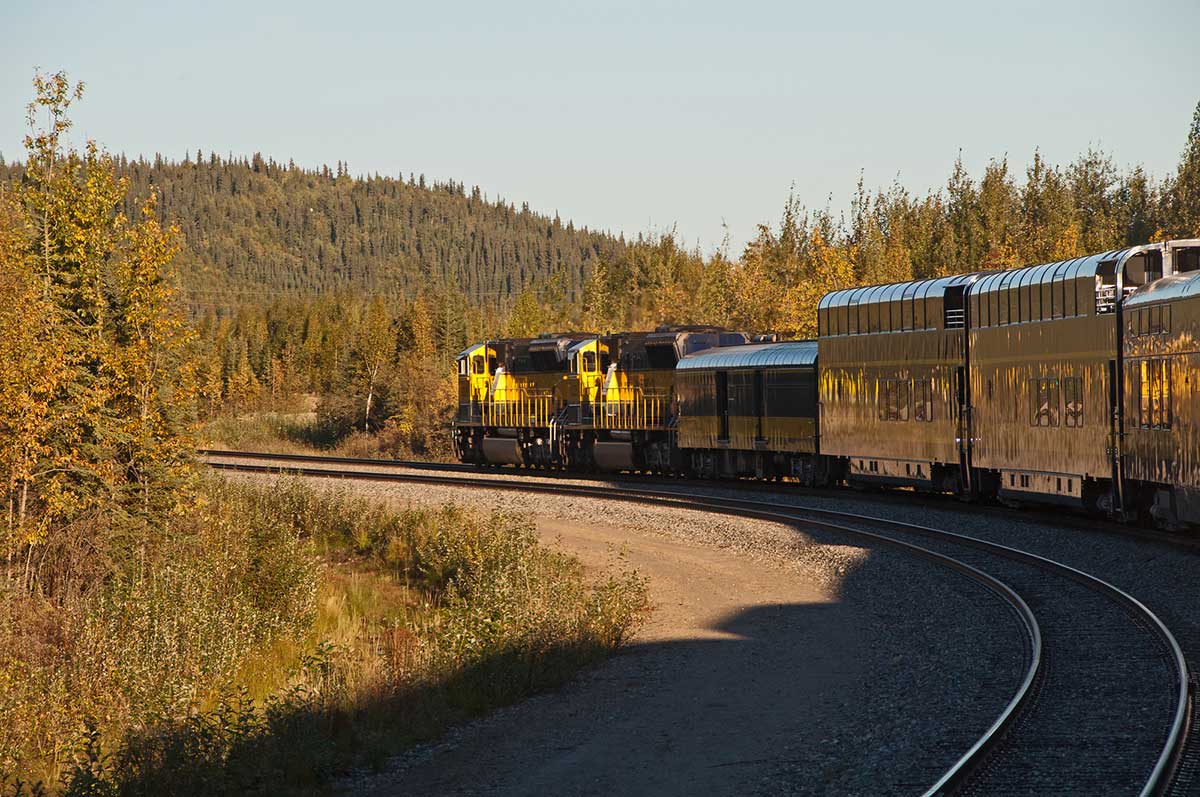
1183 194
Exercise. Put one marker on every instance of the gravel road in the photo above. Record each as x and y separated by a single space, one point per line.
775 662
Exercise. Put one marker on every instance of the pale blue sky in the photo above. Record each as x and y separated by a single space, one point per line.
624 115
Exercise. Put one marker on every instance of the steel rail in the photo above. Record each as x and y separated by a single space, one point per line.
1164 766
1033 513
449 467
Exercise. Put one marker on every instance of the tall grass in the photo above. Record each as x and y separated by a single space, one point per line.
279 433
307 433
294 632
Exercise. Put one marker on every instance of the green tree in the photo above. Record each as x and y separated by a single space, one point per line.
105 432
372 353
1182 205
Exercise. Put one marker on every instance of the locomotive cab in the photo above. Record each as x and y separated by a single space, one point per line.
589 362
526 412
476 366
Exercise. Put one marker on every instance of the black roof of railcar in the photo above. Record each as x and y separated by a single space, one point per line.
755 355
1043 273
915 289
931 290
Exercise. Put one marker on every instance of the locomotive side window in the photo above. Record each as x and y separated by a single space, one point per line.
1044 393
477 364
1072 387
589 362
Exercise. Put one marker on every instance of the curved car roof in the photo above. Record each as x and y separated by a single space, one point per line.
1174 287
757 355
872 294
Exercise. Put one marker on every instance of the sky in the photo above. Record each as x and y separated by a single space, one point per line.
623 115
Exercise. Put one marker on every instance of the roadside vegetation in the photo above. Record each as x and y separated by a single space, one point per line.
291 633
163 630
287 633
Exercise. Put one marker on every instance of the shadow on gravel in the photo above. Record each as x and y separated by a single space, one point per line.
847 696
876 692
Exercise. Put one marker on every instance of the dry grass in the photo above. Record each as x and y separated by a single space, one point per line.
302 433
274 432
293 633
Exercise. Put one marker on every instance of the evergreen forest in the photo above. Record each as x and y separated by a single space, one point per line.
314 289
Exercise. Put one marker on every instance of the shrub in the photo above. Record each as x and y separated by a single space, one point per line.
239 663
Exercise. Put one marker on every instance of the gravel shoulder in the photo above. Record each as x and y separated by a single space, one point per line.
775 663
732 645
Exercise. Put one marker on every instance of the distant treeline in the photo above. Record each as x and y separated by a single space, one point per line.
255 228
1000 219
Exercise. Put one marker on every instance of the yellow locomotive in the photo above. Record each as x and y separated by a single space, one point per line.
577 400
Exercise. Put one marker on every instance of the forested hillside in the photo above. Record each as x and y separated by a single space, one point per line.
254 228
360 290
348 346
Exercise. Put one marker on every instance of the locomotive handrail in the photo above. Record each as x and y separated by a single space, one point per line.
634 408
527 408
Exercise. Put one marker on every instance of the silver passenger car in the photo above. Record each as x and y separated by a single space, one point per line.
1161 344
751 411
1046 419
893 365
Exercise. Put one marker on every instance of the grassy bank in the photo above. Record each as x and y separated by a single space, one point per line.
290 633
304 433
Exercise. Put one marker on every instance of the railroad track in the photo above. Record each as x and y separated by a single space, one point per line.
1104 703
1084 522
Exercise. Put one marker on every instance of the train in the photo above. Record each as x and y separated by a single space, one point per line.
1062 383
